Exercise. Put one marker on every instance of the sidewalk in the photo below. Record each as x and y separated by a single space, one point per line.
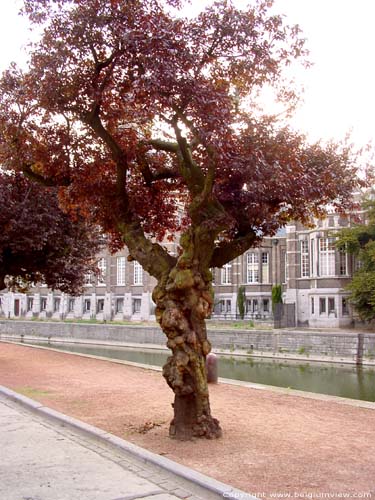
43 457
274 440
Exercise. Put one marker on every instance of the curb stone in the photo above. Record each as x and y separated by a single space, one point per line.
207 483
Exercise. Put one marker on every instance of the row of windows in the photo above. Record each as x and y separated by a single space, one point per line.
120 273
330 261
87 305
327 305
257 265
251 306
257 269
119 305
225 305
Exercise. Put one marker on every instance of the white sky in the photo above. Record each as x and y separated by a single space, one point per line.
339 89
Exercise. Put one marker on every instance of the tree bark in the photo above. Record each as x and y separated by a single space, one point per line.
2 281
184 300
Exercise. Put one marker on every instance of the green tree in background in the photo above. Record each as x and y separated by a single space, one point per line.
359 241
241 301
277 294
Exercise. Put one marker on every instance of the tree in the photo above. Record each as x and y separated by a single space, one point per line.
241 299
359 240
277 296
39 242
135 111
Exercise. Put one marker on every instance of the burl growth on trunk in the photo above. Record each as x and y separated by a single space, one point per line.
183 302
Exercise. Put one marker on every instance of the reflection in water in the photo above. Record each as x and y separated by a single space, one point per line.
347 381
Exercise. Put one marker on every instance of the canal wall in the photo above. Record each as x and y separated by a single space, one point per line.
308 344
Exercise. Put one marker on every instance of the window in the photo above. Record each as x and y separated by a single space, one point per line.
226 274
305 262
119 305
213 275
252 267
87 305
137 305
102 266
322 305
331 305
345 306
121 270
56 305
100 306
265 268
30 303
138 273
43 303
225 306
312 305
313 266
326 257
252 305
266 305
343 263
71 305
88 279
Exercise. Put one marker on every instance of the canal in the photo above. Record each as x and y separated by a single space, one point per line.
348 381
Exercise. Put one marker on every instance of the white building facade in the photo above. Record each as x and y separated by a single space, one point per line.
312 271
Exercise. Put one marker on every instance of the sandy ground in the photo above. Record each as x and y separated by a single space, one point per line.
273 444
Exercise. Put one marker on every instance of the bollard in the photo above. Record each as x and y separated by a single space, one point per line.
212 368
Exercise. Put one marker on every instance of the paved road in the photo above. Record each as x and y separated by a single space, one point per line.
42 460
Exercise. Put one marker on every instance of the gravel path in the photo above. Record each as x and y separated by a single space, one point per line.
274 445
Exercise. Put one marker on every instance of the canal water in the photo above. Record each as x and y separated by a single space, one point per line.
347 381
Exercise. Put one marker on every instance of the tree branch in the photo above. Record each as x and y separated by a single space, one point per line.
229 250
190 171
159 145
93 120
152 256
150 177
170 147
30 174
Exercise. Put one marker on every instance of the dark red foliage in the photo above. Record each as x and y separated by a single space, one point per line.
38 242
134 111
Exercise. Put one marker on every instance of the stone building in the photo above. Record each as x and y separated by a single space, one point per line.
312 272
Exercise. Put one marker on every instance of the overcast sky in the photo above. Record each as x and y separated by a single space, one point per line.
340 88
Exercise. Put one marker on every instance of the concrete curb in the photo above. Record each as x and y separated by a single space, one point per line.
201 480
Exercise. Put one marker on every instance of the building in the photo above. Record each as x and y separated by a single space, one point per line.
312 272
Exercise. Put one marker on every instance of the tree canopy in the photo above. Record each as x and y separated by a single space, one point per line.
39 242
133 111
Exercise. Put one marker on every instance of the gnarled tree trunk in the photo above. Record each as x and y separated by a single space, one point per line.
183 301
